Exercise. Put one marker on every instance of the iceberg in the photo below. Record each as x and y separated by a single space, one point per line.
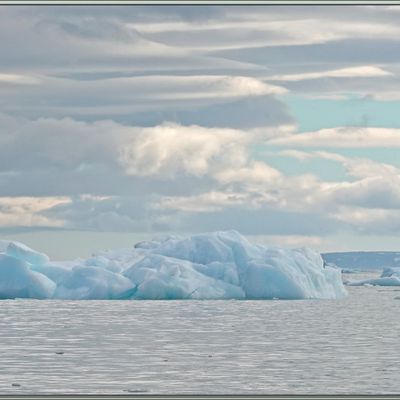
93 283
24 253
216 265
18 281
391 271
389 277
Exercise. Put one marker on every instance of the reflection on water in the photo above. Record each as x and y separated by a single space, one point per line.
214 347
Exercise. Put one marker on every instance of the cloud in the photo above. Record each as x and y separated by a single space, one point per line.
320 57
386 96
18 79
64 143
354 166
371 221
161 150
374 185
265 28
371 193
105 157
325 208
98 39
220 176
256 187
112 214
357 88
343 137
255 172
245 113
153 119
351 72
260 221
25 211
129 95
205 202
170 149
208 211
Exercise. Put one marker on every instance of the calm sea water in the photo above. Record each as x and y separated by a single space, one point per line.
214 347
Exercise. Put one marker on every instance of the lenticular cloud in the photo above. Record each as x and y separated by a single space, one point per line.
218 265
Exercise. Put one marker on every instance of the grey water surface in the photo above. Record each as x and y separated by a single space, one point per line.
208 347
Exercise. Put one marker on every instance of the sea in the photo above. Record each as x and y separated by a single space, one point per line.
348 346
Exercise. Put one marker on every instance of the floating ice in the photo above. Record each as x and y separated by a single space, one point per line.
93 283
364 260
389 277
17 280
386 281
391 271
218 265
25 253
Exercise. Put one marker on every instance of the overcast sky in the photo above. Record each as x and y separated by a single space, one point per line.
122 123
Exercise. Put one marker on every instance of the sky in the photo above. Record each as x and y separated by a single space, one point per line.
122 123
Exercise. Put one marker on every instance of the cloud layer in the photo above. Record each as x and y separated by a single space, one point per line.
154 119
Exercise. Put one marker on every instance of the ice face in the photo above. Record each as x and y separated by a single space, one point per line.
217 265
17 280
83 283
22 252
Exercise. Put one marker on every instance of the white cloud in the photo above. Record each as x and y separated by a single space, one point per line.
173 153
126 95
172 149
355 166
351 72
384 94
369 221
377 192
107 63
343 137
18 79
255 172
164 150
198 87
272 132
252 187
361 167
265 29
25 211
205 202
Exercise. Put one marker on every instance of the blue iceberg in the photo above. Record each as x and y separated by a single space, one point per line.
217 265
